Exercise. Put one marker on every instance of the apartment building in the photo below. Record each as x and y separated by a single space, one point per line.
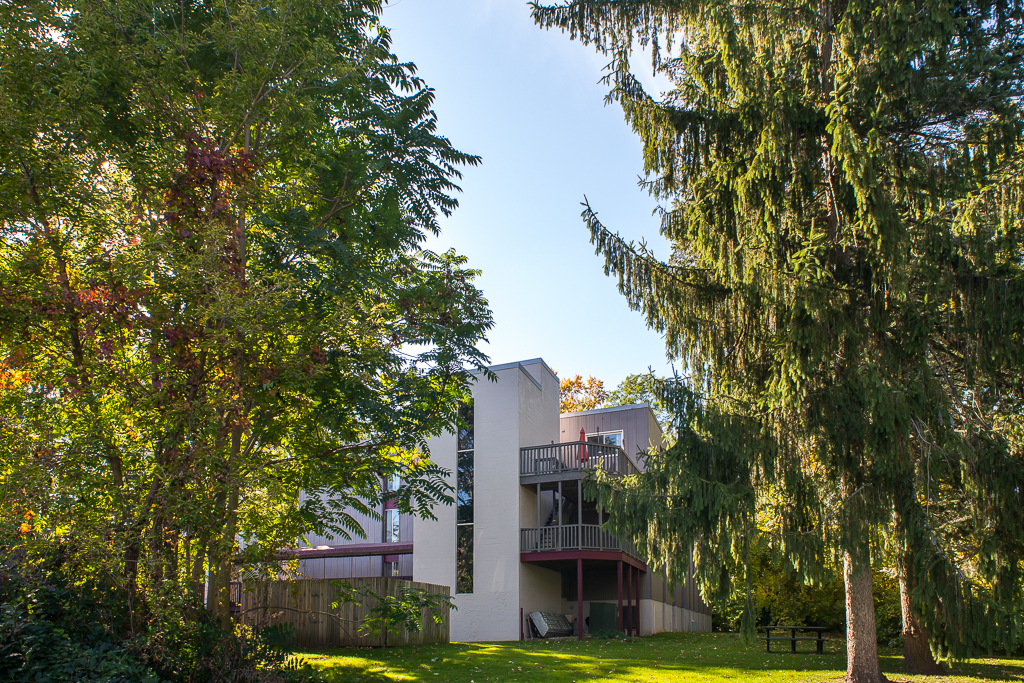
521 537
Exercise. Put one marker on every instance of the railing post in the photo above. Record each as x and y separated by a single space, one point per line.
538 506
559 532
579 513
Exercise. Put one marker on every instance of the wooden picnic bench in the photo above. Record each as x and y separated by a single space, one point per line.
792 638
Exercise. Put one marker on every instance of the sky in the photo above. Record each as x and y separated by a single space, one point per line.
528 102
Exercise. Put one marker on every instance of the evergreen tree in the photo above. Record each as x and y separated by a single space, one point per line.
841 186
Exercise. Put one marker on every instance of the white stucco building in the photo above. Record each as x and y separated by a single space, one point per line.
520 537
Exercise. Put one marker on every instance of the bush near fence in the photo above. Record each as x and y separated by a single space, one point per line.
305 606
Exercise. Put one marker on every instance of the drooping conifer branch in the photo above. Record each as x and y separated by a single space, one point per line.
841 194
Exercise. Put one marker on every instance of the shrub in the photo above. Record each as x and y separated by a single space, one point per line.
782 598
54 630
50 631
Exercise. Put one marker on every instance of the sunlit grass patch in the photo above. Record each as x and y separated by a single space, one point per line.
667 657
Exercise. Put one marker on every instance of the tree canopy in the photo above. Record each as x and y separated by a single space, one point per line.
214 296
841 187
576 393
641 388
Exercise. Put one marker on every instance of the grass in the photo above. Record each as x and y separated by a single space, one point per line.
667 657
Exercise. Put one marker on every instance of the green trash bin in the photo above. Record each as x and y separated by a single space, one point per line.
602 616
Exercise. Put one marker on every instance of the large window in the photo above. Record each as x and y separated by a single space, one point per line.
392 522
464 502
392 518
609 438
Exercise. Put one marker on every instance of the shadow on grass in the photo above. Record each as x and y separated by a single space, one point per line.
684 657
986 668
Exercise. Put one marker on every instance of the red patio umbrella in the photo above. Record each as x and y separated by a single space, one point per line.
583 447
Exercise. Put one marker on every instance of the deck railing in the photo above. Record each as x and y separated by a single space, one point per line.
574 456
571 537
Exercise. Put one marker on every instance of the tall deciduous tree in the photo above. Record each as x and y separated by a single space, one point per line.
210 279
643 388
576 393
841 185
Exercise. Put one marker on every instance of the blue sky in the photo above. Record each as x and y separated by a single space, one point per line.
528 101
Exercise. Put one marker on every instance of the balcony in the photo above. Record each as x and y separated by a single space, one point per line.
565 461
571 537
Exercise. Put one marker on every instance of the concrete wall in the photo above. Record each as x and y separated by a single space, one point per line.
540 590
661 609
520 409
658 617
655 616
435 539
491 612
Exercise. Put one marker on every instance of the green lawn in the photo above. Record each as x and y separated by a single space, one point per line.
684 657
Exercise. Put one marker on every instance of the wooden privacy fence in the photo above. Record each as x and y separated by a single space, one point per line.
305 605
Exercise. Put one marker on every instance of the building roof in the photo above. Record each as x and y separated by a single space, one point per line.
521 364
595 411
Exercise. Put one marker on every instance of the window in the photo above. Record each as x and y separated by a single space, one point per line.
466 427
464 502
464 495
392 482
464 559
609 438
392 522
391 569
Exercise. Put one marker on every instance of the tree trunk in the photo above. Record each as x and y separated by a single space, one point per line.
222 549
197 567
228 561
917 655
221 562
862 665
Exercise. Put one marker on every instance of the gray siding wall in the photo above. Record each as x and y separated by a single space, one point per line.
640 431
356 567
639 427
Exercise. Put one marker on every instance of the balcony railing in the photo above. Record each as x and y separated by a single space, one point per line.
571 537
575 456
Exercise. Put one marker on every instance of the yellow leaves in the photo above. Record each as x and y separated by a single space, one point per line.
25 525
11 378
578 394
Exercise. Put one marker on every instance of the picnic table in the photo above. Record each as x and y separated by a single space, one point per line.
792 638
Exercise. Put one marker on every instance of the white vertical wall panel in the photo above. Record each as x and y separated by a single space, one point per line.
520 409
491 611
435 539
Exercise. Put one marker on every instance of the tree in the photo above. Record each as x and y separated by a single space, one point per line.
211 281
577 394
841 184
640 389
408 610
